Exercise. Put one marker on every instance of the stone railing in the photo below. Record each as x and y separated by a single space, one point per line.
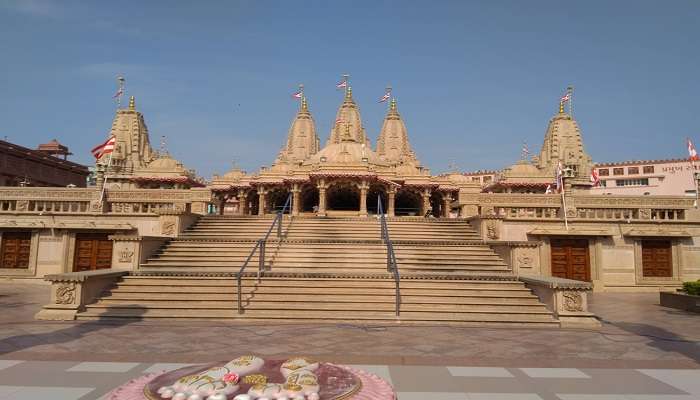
70 292
32 200
565 298
511 206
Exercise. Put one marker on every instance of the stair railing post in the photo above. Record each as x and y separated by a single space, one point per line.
261 260
240 309
279 223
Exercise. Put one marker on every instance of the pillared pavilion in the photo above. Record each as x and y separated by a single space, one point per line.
347 176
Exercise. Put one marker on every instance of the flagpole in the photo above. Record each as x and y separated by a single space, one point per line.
570 89
345 79
563 203
104 181
301 99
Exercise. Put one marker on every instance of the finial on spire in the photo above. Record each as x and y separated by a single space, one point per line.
120 90
163 148
132 103
392 105
348 93
304 104
525 152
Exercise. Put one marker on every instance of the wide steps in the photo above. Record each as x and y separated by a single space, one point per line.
137 311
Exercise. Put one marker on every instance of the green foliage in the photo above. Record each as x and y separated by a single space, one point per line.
692 288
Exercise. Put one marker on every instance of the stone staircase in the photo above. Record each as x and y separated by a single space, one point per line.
326 269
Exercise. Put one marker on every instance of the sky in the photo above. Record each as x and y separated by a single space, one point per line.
473 80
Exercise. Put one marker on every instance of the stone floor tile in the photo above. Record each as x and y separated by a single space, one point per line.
40 393
381 371
592 397
164 367
430 396
503 396
102 367
661 397
554 373
480 372
9 363
683 379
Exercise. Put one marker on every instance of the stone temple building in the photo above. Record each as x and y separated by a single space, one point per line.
346 177
343 231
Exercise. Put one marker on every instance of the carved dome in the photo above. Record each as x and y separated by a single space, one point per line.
302 140
348 120
165 163
393 144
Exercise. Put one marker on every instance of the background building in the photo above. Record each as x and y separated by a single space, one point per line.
651 177
46 166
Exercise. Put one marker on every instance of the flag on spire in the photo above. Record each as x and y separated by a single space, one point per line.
298 95
104 148
566 97
120 92
342 84
692 153
386 97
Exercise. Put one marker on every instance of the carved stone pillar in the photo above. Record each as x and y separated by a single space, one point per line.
296 197
446 202
322 198
261 200
242 202
426 201
391 201
364 186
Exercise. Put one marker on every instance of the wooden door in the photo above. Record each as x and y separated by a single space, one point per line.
92 251
570 259
657 258
15 249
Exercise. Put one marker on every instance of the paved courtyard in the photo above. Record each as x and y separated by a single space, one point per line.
643 351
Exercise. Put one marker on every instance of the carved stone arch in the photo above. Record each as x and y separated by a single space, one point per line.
252 202
309 197
375 190
408 201
343 195
276 197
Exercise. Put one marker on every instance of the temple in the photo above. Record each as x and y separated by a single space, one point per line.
346 177
346 231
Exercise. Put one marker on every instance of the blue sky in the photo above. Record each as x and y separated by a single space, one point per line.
473 80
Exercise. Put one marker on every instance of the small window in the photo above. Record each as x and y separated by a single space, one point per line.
632 182
475 179
648 169
618 171
603 183
604 172
487 179
633 171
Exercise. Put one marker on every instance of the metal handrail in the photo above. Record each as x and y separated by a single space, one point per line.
261 244
391 264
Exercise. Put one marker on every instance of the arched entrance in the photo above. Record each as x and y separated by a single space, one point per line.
276 198
407 202
343 196
376 190
308 197
252 200
437 205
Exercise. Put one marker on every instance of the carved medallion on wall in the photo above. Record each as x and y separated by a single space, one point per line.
573 301
126 255
65 294
644 213
22 205
167 227
526 259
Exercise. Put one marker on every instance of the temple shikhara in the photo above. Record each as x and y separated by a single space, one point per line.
339 228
